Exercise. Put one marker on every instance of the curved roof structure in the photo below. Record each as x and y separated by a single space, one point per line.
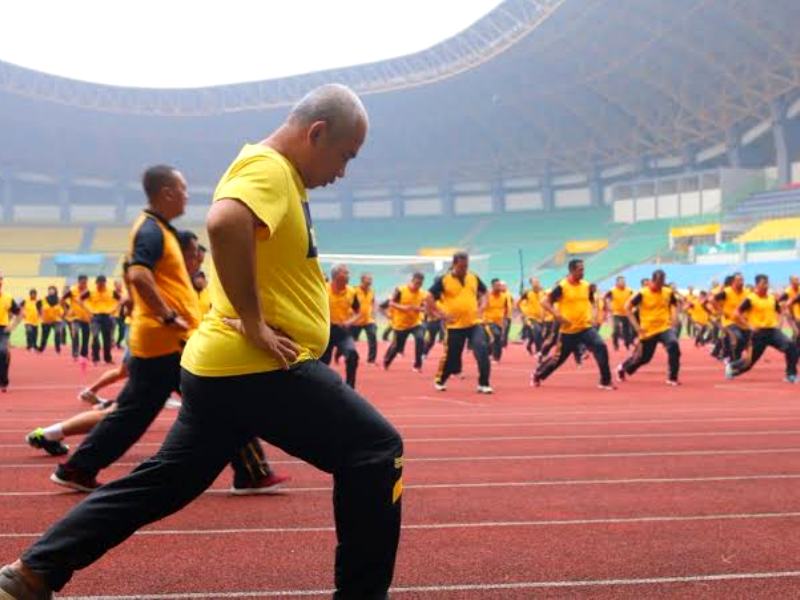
536 86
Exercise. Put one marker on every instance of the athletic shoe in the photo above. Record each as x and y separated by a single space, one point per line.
485 389
4 389
416 369
88 396
729 374
74 479
673 382
606 387
440 387
791 379
36 439
535 380
271 484
620 373
14 587
173 403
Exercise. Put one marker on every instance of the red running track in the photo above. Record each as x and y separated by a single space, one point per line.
565 491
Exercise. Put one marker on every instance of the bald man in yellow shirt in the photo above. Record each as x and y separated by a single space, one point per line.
252 369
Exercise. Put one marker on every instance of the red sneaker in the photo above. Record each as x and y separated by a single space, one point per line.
271 484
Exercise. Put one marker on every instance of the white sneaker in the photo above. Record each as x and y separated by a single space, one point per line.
485 389
440 387
607 387
173 403
673 382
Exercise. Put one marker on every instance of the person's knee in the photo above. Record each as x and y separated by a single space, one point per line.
351 356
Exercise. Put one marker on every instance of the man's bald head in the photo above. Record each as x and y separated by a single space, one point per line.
335 104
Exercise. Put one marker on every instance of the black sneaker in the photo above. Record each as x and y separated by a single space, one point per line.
74 479
36 439
13 586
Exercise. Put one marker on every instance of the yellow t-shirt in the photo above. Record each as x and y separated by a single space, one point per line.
342 303
101 302
6 304
697 311
289 280
204 299
402 320
366 301
655 310
496 308
77 312
531 305
618 297
52 313
575 301
547 316
30 312
792 294
730 303
459 299
763 312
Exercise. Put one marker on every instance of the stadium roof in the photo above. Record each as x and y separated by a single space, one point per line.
536 86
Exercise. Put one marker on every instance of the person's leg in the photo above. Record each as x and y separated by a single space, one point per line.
671 344
783 344
250 467
107 331
332 340
5 357
197 448
565 346
85 329
480 349
396 347
450 362
364 453
749 356
46 327
74 334
372 342
617 334
95 332
348 349
419 345
431 331
150 383
109 377
591 339
58 332
495 340
30 337
641 355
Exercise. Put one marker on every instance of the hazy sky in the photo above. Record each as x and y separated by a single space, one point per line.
178 43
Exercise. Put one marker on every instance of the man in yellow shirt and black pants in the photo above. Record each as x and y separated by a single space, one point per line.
79 318
530 305
408 303
462 297
494 317
8 309
366 317
655 323
251 369
52 315
344 311
615 300
102 303
762 314
32 318
792 301
576 315
727 301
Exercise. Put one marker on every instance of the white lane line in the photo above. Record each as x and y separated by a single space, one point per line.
504 457
465 587
498 484
461 525
523 438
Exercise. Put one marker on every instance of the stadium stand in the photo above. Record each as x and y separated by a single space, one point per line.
20 264
773 229
18 286
40 239
112 240
777 203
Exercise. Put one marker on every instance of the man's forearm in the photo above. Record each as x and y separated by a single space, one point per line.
145 285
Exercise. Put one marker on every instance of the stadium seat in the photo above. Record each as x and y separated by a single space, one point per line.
772 229
18 287
20 264
40 239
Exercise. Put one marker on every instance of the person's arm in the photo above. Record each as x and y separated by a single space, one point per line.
739 316
483 298
675 310
435 293
549 303
715 302
355 312
593 302
630 307
16 310
395 302
232 233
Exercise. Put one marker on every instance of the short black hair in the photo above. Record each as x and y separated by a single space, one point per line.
761 277
185 238
157 177
659 275
83 277
728 280
495 280
100 279
32 291
460 255
418 275
573 264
